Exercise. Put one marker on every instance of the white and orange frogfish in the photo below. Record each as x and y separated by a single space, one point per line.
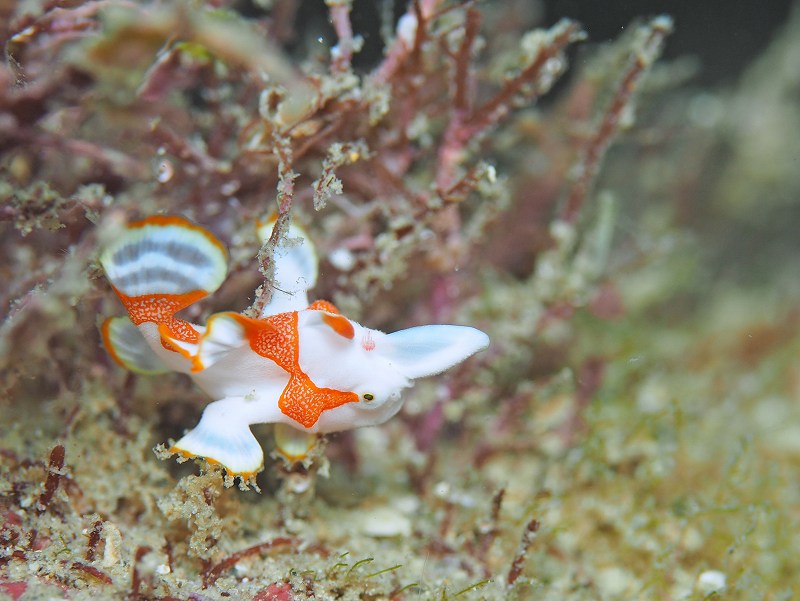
300 364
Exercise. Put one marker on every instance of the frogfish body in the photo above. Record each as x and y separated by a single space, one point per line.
300 364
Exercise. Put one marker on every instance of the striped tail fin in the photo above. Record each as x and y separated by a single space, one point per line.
161 265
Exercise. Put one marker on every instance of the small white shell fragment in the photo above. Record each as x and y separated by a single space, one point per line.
298 483
406 504
441 489
653 396
711 581
383 522
112 554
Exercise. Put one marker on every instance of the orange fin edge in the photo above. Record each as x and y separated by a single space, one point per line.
105 333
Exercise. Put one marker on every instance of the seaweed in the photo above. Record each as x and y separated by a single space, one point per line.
631 432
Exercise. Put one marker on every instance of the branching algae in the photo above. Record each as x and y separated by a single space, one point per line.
632 430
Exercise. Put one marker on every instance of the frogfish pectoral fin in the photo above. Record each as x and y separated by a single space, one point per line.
223 437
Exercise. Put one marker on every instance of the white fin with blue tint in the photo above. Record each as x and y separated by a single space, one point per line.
223 436
428 350
126 345
295 270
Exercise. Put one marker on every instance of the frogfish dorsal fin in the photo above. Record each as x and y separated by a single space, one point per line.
161 265
295 270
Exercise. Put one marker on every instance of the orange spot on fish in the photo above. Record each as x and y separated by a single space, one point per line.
323 305
276 338
161 309
167 339
340 324
304 402
334 318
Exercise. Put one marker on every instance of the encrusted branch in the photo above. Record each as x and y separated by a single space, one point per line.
648 43
342 53
282 147
408 39
545 62
211 574
54 467
463 59
94 540
339 154
528 537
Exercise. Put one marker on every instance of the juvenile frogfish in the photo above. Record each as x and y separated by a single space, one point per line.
300 364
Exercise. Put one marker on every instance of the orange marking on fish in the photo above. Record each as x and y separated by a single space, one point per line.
304 402
340 324
161 309
187 455
323 305
333 317
167 336
197 364
276 338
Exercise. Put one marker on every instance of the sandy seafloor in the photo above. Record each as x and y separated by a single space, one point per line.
633 432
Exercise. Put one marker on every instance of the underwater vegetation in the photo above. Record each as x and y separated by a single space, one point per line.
624 235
